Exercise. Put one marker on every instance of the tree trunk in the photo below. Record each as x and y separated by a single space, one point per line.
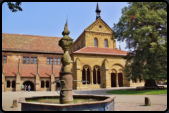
150 83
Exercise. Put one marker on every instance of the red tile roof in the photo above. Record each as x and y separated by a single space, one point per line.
101 51
30 70
30 43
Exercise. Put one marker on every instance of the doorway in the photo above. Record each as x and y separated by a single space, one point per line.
113 80
31 84
120 79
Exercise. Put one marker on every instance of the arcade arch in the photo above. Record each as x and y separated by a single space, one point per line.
31 84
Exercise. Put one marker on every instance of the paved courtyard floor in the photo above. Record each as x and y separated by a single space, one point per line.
122 102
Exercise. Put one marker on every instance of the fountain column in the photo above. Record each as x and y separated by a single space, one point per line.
66 94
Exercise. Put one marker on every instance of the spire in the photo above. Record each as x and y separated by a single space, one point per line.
67 20
98 10
66 31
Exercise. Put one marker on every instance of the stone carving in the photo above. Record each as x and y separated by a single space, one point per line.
65 44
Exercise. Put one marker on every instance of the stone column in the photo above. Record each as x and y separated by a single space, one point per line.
108 79
37 77
96 68
52 79
91 77
3 78
117 84
18 77
86 73
79 77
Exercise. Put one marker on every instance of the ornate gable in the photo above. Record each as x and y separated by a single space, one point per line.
99 26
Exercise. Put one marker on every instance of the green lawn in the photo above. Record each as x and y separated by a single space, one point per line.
138 92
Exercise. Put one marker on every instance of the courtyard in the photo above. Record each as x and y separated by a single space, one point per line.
122 102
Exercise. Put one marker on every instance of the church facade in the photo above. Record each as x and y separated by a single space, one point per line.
36 60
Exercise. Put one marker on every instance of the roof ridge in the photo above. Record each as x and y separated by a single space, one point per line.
30 35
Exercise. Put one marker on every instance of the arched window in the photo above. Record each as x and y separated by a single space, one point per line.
105 43
47 84
13 84
95 42
42 84
8 84
86 75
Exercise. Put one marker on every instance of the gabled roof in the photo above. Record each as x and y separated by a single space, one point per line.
30 43
101 51
99 19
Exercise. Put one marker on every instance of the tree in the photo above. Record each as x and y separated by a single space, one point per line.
143 25
14 7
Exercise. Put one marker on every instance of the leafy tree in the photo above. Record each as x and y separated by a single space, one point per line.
143 25
14 7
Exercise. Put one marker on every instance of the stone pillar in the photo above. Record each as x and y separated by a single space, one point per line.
77 74
3 76
108 79
117 84
37 82
91 77
37 77
3 83
79 77
147 101
3 79
52 79
18 78
96 68
86 73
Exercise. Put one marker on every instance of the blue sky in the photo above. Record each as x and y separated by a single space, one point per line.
49 18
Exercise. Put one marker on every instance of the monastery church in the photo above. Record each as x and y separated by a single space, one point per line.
36 60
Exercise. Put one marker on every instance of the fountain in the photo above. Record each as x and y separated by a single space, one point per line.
67 101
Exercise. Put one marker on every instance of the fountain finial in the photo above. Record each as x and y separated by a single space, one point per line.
65 44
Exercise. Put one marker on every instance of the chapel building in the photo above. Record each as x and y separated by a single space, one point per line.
36 60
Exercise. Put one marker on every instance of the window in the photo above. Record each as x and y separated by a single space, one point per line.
105 43
47 84
42 84
33 60
8 84
24 60
51 61
4 59
48 61
27 60
95 42
56 61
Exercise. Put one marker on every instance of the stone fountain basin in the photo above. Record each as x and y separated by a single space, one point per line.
106 104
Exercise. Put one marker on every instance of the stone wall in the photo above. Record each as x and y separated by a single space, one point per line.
10 71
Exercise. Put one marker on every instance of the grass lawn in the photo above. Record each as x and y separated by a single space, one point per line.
138 92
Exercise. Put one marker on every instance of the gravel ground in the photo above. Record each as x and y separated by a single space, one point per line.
138 107
122 102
